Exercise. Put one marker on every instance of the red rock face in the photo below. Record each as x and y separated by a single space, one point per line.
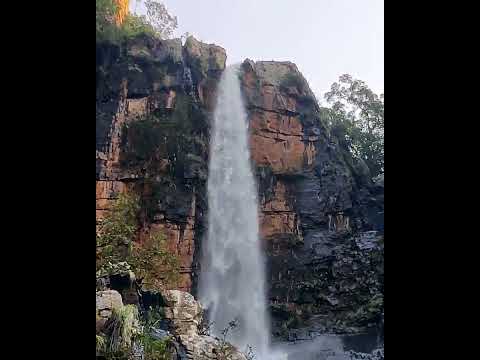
106 193
170 78
277 217
312 209
309 199
277 141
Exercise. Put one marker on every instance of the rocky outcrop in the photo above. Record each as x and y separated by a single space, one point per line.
185 316
107 300
182 317
154 102
321 217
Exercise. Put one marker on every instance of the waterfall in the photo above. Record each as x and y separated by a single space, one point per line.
232 280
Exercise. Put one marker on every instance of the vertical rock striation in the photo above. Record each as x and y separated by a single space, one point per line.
154 102
321 215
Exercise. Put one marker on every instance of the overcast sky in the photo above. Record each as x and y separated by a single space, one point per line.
325 38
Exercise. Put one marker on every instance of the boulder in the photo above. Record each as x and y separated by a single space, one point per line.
185 315
107 300
184 312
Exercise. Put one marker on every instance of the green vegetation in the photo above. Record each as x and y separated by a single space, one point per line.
165 134
123 326
101 344
116 231
105 14
160 19
153 265
155 349
146 136
158 22
124 330
142 138
356 117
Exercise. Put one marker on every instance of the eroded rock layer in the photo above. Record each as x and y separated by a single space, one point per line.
154 102
321 215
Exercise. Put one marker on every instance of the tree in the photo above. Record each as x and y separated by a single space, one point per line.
116 231
356 117
105 16
161 20
114 23
157 16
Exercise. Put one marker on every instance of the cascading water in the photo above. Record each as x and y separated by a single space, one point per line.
232 280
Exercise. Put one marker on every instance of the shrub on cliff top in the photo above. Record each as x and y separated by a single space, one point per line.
356 117
115 24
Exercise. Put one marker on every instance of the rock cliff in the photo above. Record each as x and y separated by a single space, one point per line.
154 100
321 215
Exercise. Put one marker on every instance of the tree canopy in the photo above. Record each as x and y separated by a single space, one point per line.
356 117
114 22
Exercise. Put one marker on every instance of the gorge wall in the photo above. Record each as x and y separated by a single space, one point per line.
321 215
154 103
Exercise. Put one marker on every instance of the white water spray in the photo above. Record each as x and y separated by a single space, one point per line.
232 280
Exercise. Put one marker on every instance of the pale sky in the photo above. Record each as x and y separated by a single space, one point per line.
325 38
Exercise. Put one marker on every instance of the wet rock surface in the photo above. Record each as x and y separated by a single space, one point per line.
321 215
154 101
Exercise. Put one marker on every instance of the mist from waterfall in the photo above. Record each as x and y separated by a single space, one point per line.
232 279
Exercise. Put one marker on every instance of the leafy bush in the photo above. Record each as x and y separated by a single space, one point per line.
135 25
101 344
155 349
116 231
105 20
125 332
123 327
153 265
151 262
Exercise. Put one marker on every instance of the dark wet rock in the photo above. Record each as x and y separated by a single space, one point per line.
322 215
